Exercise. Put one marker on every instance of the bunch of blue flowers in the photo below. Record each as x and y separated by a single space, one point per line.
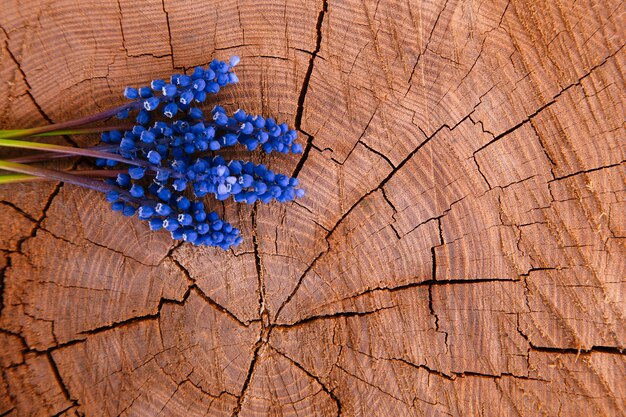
169 152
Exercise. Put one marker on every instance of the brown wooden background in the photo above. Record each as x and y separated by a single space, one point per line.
460 249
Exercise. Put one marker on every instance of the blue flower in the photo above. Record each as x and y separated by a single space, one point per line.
151 104
154 157
131 93
136 173
117 206
156 223
112 196
234 60
162 209
145 212
174 171
169 90
170 110
128 211
147 136
157 85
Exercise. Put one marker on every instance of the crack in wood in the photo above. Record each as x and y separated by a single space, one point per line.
481 173
194 287
21 242
23 74
434 314
316 378
263 314
545 106
57 376
587 171
100 245
305 89
427 42
370 384
255 357
339 314
372 291
169 32
28 91
342 218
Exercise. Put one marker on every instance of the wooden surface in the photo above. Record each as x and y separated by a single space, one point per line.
460 249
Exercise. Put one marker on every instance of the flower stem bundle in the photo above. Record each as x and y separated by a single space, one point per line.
160 167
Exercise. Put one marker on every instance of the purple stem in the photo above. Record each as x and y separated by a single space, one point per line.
66 150
68 178
80 121
46 156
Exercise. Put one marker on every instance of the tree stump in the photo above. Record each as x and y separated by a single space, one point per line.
459 251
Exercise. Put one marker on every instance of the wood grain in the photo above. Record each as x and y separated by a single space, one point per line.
460 249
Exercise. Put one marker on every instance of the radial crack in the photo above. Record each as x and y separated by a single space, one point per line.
317 379
305 88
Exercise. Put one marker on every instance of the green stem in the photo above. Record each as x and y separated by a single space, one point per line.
44 156
70 124
16 178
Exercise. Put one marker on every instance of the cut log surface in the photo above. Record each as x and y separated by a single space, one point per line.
460 249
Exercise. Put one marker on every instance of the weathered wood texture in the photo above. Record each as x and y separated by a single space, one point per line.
460 249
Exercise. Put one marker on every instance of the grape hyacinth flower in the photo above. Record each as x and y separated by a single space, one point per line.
161 167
